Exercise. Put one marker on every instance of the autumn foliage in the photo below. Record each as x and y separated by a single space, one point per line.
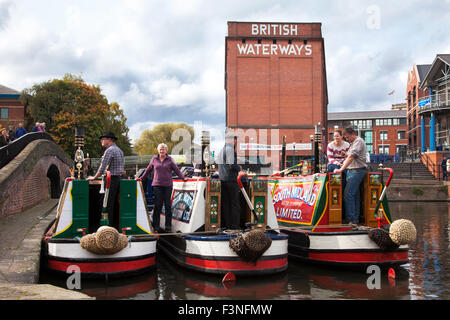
67 103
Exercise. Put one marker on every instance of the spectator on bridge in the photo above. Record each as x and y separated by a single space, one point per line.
112 159
357 169
43 127
36 127
162 166
11 133
20 131
4 139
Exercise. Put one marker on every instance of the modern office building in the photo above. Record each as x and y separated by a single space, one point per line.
383 131
433 108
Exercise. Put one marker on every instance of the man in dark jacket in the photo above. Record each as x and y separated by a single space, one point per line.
228 173
20 131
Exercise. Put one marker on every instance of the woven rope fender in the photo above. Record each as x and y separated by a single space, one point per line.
251 245
88 242
106 237
109 242
382 239
402 231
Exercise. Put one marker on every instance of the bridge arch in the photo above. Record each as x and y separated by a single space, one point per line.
36 174
54 181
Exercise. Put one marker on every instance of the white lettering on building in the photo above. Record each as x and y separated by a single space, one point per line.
274 49
274 29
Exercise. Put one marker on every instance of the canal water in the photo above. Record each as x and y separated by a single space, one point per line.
425 277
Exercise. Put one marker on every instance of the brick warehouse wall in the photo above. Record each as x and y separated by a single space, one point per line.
24 182
276 80
15 110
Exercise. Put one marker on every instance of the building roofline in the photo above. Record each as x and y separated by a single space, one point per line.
359 115
438 57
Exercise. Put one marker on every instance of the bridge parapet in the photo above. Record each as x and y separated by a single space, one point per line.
35 174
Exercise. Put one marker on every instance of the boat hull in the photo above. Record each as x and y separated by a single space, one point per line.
212 254
67 256
347 249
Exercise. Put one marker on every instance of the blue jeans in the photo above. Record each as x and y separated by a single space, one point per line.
352 200
332 166
162 195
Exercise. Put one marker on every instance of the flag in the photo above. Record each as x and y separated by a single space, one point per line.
391 93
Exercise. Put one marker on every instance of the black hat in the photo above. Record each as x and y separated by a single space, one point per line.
108 134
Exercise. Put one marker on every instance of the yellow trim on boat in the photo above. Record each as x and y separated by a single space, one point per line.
65 228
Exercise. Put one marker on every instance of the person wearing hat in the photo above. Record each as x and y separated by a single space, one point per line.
228 173
114 161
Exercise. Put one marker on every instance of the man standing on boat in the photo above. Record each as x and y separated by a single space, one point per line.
228 173
356 166
112 159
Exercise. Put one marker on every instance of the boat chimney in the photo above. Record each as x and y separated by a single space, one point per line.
79 154
317 147
206 140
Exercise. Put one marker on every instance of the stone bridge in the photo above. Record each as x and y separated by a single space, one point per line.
35 174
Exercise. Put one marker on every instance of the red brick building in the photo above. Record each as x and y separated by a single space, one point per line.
383 131
275 81
11 109
413 95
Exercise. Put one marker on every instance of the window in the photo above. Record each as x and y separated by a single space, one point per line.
383 135
368 137
401 134
395 122
4 113
377 122
383 149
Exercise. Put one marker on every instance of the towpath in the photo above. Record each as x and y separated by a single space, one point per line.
20 246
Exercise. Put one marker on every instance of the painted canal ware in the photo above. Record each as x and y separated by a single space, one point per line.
79 238
309 208
79 214
202 245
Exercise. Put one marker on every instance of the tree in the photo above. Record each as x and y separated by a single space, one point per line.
149 140
69 102
117 122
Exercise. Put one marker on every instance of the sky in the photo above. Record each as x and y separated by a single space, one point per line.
164 60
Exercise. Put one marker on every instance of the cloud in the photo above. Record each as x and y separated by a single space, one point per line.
4 13
165 60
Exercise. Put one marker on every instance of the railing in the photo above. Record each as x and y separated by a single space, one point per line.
10 151
434 168
434 101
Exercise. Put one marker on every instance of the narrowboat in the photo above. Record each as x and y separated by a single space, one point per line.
80 239
198 241
309 208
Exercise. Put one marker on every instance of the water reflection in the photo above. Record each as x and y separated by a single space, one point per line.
429 256
426 276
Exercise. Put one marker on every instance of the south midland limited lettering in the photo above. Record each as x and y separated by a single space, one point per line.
274 49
